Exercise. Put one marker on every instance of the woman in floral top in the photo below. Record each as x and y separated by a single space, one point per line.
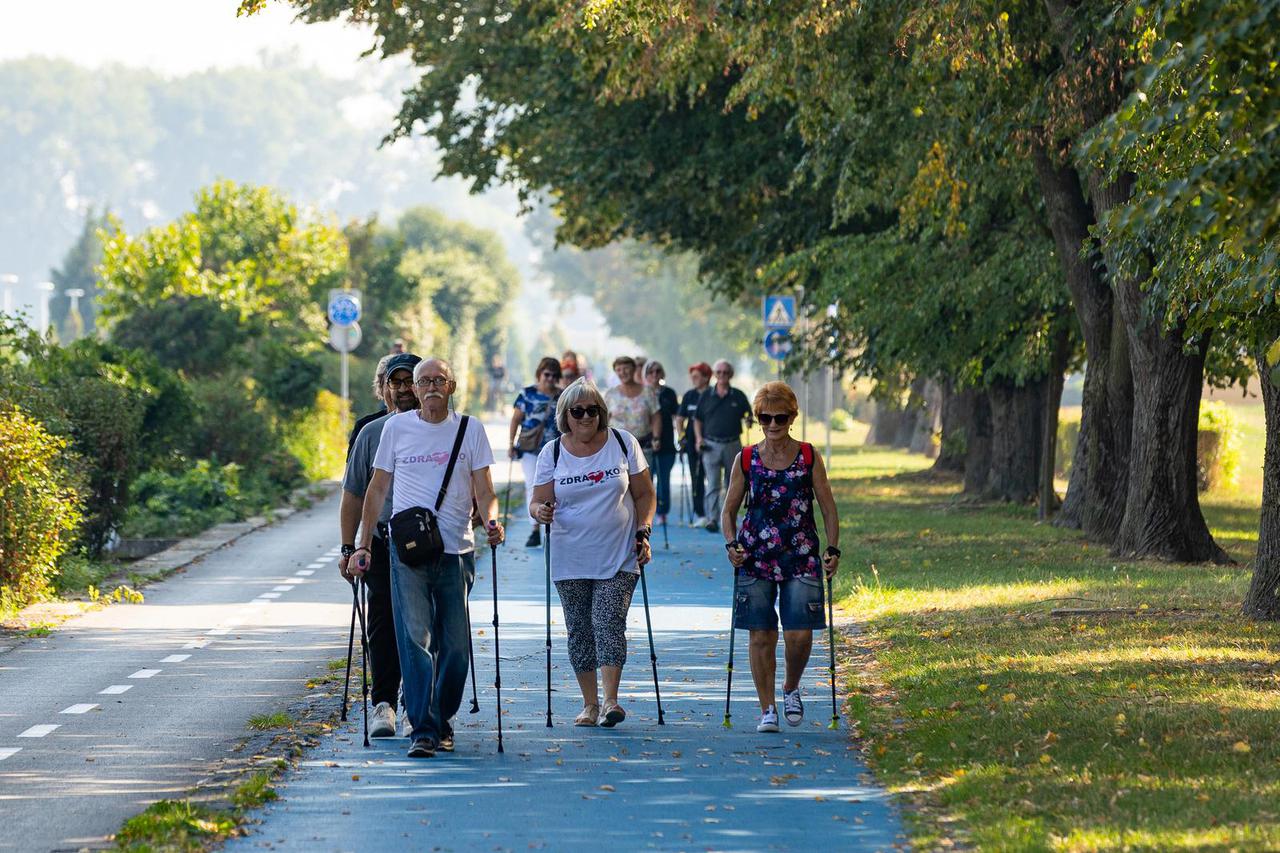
634 407
775 552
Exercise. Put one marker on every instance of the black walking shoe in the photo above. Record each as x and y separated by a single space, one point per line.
535 539
446 743
712 527
423 747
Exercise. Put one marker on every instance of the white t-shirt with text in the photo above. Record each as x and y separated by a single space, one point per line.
417 453
593 534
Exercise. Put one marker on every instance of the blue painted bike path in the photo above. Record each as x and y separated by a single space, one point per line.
687 785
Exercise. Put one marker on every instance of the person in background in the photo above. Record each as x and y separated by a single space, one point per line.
655 377
533 425
397 347
775 552
633 406
569 368
700 379
717 427
399 397
598 498
497 377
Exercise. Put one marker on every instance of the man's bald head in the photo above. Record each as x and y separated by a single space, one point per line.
436 366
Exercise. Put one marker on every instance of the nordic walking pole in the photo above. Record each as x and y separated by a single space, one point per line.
546 550
653 656
686 501
506 500
831 647
351 644
364 658
471 655
728 687
497 656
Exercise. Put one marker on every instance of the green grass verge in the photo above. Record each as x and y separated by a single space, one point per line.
1013 729
174 825
254 792
263 722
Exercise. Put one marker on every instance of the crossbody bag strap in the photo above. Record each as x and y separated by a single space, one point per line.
453 460
626 457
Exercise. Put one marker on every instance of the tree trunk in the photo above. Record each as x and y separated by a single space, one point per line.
1016 412
1263 599
955 412
1162 515
913 416
1049 421
1099 474
977 457
930 421
886 423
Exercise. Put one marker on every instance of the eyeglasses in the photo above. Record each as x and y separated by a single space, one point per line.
397 384
547 374
767 419
581 412
724 373
432 382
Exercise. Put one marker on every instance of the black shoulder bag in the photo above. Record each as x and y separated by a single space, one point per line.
416 530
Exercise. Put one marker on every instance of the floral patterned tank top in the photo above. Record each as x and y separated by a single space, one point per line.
779 532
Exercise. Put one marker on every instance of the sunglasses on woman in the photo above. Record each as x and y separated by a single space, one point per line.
766 419
580 412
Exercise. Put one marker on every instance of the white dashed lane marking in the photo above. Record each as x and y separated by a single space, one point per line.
218 632
115 689
40 731
79 709
145 673
196 644
306 573
269 595
174 659
284 587
9 752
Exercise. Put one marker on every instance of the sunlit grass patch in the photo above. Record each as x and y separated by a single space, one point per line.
177 825
1148 724
263 722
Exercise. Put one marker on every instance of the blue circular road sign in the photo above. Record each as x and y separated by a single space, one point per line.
777 344
344 309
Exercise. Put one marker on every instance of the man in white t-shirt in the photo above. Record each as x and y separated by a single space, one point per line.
430 601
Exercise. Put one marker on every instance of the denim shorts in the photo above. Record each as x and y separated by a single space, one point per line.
799 599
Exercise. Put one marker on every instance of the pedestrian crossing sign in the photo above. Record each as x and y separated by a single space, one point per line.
779 312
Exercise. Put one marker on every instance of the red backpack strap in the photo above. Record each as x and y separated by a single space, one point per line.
746 459
806 454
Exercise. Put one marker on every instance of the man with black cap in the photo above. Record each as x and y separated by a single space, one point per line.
397 392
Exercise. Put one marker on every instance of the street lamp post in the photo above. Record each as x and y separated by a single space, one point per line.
73 313
8 281
46 292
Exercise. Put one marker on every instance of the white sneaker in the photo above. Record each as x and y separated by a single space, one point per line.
700 521
792 707
768 721
382 722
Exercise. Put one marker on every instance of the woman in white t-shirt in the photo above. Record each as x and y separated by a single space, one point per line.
592 486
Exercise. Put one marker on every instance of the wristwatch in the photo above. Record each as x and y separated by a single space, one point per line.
348 550
729 546
643 533
832 551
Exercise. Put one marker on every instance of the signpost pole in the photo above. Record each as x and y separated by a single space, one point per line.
831 379
346 391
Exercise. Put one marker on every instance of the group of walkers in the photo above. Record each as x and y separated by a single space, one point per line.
597 467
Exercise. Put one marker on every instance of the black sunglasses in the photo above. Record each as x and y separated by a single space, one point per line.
766 419
584 412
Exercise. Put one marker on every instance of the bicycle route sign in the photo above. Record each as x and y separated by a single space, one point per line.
344 307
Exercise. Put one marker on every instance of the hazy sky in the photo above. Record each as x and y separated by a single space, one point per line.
173 36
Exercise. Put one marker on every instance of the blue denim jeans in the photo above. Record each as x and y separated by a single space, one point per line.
431 636
799 600
664 462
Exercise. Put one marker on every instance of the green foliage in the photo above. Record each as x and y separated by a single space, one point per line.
841 420
316 440
39 507
1218 461
1065 450
78 271
254 792
171 505
175 825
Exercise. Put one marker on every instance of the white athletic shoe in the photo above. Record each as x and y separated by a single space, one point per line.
700 521
382 722
768 721
792 707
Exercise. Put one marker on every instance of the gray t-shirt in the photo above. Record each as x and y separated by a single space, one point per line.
360 464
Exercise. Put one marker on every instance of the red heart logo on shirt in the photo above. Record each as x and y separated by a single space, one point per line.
595 476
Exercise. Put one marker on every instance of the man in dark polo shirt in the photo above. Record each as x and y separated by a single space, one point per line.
700 379
379 394
717 427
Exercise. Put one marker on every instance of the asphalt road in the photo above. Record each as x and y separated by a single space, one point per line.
131 704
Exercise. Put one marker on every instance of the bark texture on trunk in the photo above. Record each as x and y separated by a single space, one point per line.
1016 413
914 415
1263 598
1162 516
977 457
930 422
885 424
954 412
1099 473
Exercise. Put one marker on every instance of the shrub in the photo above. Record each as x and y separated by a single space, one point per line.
315 438
231 424
1065 452
841 421
1217 446
179 504
39 507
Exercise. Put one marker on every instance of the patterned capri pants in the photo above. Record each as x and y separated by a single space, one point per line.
595 612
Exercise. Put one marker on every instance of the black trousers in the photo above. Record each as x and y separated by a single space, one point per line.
699 481
383 656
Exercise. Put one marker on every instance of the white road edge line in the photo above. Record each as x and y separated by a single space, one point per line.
83 708
115 689
40 731
9 752
174 659
145 673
